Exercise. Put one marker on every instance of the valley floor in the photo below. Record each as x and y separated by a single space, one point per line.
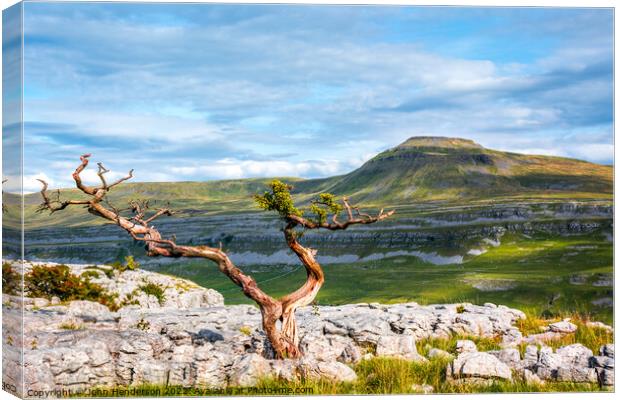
541 274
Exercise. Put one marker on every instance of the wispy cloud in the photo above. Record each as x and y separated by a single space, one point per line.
184 92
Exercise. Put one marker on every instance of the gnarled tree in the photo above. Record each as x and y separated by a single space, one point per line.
137 220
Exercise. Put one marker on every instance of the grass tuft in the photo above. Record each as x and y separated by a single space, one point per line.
449 344
154 289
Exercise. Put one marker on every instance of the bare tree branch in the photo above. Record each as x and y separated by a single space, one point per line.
362 218
159 213
78 179
347 207
102 170
129 176
55 205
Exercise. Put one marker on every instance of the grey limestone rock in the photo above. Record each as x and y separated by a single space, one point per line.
478 365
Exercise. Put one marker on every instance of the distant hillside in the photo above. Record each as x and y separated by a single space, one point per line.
453 169
420 170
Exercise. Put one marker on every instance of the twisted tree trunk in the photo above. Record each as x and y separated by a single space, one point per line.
306 294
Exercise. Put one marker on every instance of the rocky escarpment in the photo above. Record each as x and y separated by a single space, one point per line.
255 238
81 344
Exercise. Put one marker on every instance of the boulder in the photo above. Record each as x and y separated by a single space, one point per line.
546 373
328 370
350 355
151 372
576 374
180 337
548 359
363 325
401 346
438 353
563 327
574 354
286 370
510 356
475 324
478 365
210 366
465 346
248 370
328 347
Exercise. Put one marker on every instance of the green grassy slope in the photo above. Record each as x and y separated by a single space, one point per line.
449 169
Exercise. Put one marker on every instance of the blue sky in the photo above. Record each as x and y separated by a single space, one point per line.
202 92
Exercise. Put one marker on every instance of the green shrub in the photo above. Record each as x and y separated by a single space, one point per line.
49 281
11 280
109 300
154 289
109 272
90 274
58 280
130 265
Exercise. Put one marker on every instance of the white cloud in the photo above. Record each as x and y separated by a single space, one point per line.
235 169
31 183
597 152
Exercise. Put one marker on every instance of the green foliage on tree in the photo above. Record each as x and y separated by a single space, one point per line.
279 199
324 204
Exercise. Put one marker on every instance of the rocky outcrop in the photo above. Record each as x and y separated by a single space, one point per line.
572 363
82 344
